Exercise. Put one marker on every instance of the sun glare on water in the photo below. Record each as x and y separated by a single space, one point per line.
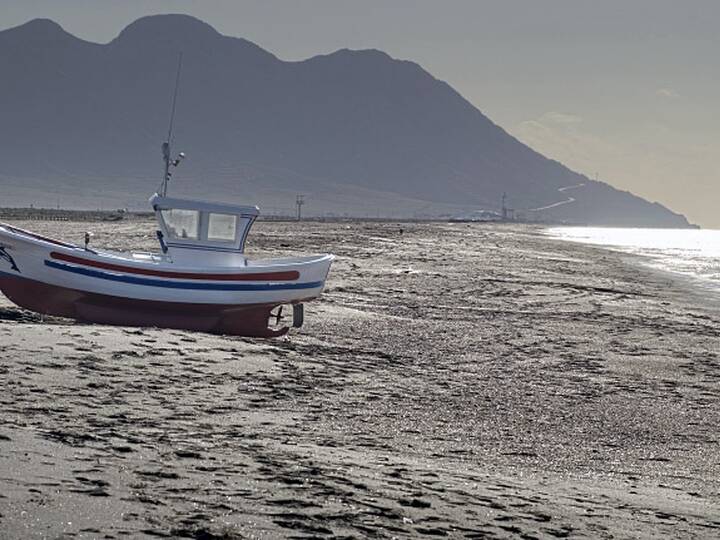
691 252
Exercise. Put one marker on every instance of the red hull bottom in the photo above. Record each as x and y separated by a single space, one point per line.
251 321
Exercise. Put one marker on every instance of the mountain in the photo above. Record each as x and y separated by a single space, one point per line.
357 132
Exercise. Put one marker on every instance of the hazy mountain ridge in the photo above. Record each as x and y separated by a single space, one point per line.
357 131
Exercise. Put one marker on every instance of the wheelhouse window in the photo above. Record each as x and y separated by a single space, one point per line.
182 223
222 227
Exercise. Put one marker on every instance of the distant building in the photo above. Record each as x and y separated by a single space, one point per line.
478 215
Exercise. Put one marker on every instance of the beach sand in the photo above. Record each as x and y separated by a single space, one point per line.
461 380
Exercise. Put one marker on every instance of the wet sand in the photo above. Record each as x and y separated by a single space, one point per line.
471 381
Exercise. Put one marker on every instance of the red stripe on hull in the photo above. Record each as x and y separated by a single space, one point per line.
239 320
291 275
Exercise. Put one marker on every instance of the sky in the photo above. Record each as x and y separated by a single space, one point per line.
627 91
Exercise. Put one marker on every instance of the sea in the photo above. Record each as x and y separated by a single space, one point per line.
693 253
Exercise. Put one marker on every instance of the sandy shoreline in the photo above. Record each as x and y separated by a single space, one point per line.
457 379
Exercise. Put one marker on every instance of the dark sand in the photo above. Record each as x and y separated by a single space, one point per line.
456 380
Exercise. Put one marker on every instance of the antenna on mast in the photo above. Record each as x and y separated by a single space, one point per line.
166 145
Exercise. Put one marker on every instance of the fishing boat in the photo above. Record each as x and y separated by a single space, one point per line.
200 279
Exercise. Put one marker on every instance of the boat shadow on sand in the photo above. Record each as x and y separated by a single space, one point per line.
23 316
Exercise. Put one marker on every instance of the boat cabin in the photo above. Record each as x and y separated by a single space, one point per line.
196 231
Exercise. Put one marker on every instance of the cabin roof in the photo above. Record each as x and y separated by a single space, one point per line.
165 203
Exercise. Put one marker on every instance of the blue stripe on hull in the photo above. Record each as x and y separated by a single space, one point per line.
183 285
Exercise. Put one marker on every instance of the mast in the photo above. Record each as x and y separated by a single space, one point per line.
166 145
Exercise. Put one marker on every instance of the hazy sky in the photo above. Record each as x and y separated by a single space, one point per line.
626 89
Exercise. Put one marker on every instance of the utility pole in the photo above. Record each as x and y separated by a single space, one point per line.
504 207
299 201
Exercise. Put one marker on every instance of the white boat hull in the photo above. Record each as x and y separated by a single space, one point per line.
61 279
